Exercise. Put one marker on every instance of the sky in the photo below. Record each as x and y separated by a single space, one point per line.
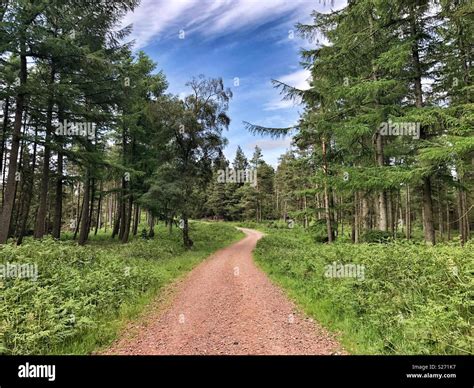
245 42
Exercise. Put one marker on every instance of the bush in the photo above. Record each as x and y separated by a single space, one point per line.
81 291
319 231
414 299
376 236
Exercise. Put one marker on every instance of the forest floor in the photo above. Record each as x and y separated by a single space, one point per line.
225 306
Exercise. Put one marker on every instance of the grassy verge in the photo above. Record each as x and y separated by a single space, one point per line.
84 295
411 299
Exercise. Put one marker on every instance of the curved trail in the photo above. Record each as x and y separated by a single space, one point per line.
226 305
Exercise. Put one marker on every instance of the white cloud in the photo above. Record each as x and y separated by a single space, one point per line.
277 104
238 14
158 18
298 79
271 144
152 18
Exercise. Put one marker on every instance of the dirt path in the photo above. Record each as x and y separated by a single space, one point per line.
226 305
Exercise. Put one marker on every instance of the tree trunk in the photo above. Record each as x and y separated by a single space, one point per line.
6 112
448 218
379 146
136 220
84 228
7 207
92 199
128 219
40 227
327 209
440 214
463 220
29 190
408 214
428 226
122 215
99 209
382 195
58 204
151 233
21 176
355 220
365 212
188 243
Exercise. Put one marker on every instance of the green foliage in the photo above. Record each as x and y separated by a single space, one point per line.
414 299
319 231
81 292
376 236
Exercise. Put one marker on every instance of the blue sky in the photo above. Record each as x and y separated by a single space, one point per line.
248 40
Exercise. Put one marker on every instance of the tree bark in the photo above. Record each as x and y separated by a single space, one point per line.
84 228
440 213
6 112
408 214
58 204
188 243
448 218
127 220
428 226
151 233
7 208
327 209
29 189
40 227
92 199
136 219
382 195
99 209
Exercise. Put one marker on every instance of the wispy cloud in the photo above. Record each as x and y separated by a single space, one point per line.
208 18
277 104
152 18
298 79
271 144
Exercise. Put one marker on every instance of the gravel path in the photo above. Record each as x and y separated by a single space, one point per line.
226 305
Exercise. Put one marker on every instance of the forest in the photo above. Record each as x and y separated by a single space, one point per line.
59 71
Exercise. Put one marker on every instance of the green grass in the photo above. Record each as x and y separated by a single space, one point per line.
84 295
414 299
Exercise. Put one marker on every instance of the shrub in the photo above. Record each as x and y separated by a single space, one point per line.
81 291
376 236
414 299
